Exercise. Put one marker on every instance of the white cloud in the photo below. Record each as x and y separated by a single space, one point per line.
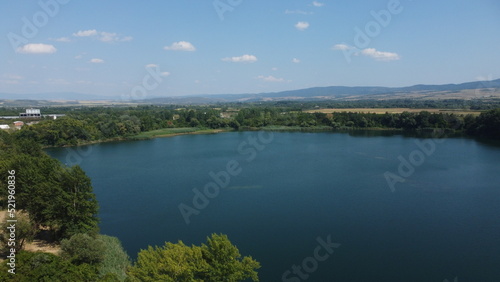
102 35
165 73
58 81
180 46
484 78
318 4
298 12
369 52
14 76
36 48
85 33
302 25
341 47
112 37
270 78
63 39
295 60
274 69
241 59
83 82
11 79
380 56
96 61
108 37
79 56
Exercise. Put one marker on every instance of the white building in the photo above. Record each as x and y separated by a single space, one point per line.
31 113
4 126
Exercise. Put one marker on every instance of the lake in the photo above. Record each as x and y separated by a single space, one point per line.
360 206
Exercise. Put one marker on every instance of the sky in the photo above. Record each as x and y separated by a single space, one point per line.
187 47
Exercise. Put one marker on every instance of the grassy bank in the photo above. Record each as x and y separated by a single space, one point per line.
294 128
166 132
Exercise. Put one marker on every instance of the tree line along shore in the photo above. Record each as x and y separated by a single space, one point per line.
87 125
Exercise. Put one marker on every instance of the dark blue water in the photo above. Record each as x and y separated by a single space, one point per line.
295 190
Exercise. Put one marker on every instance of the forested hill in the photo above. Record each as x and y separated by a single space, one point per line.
370 90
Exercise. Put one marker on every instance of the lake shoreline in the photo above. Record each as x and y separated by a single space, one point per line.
140 137
171 132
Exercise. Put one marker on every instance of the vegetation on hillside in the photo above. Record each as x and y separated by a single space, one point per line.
58 200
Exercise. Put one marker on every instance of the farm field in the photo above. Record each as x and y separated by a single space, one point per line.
393 111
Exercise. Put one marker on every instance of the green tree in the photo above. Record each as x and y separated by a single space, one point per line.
57 197
407 121
115 260
82 248
77 206
37 183
225 261
234 124
46 267
487 124
217 261
173 262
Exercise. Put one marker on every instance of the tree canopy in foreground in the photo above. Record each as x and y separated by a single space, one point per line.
218 260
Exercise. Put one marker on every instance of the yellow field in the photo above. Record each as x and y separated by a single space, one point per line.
392 111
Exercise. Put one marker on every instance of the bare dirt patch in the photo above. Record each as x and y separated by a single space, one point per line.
43 246
37 244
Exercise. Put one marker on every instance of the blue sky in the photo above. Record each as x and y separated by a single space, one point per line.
182 47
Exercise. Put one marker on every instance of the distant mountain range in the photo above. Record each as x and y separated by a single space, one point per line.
54 96
469 90
342 91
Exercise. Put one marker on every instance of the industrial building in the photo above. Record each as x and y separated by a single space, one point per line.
34 113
